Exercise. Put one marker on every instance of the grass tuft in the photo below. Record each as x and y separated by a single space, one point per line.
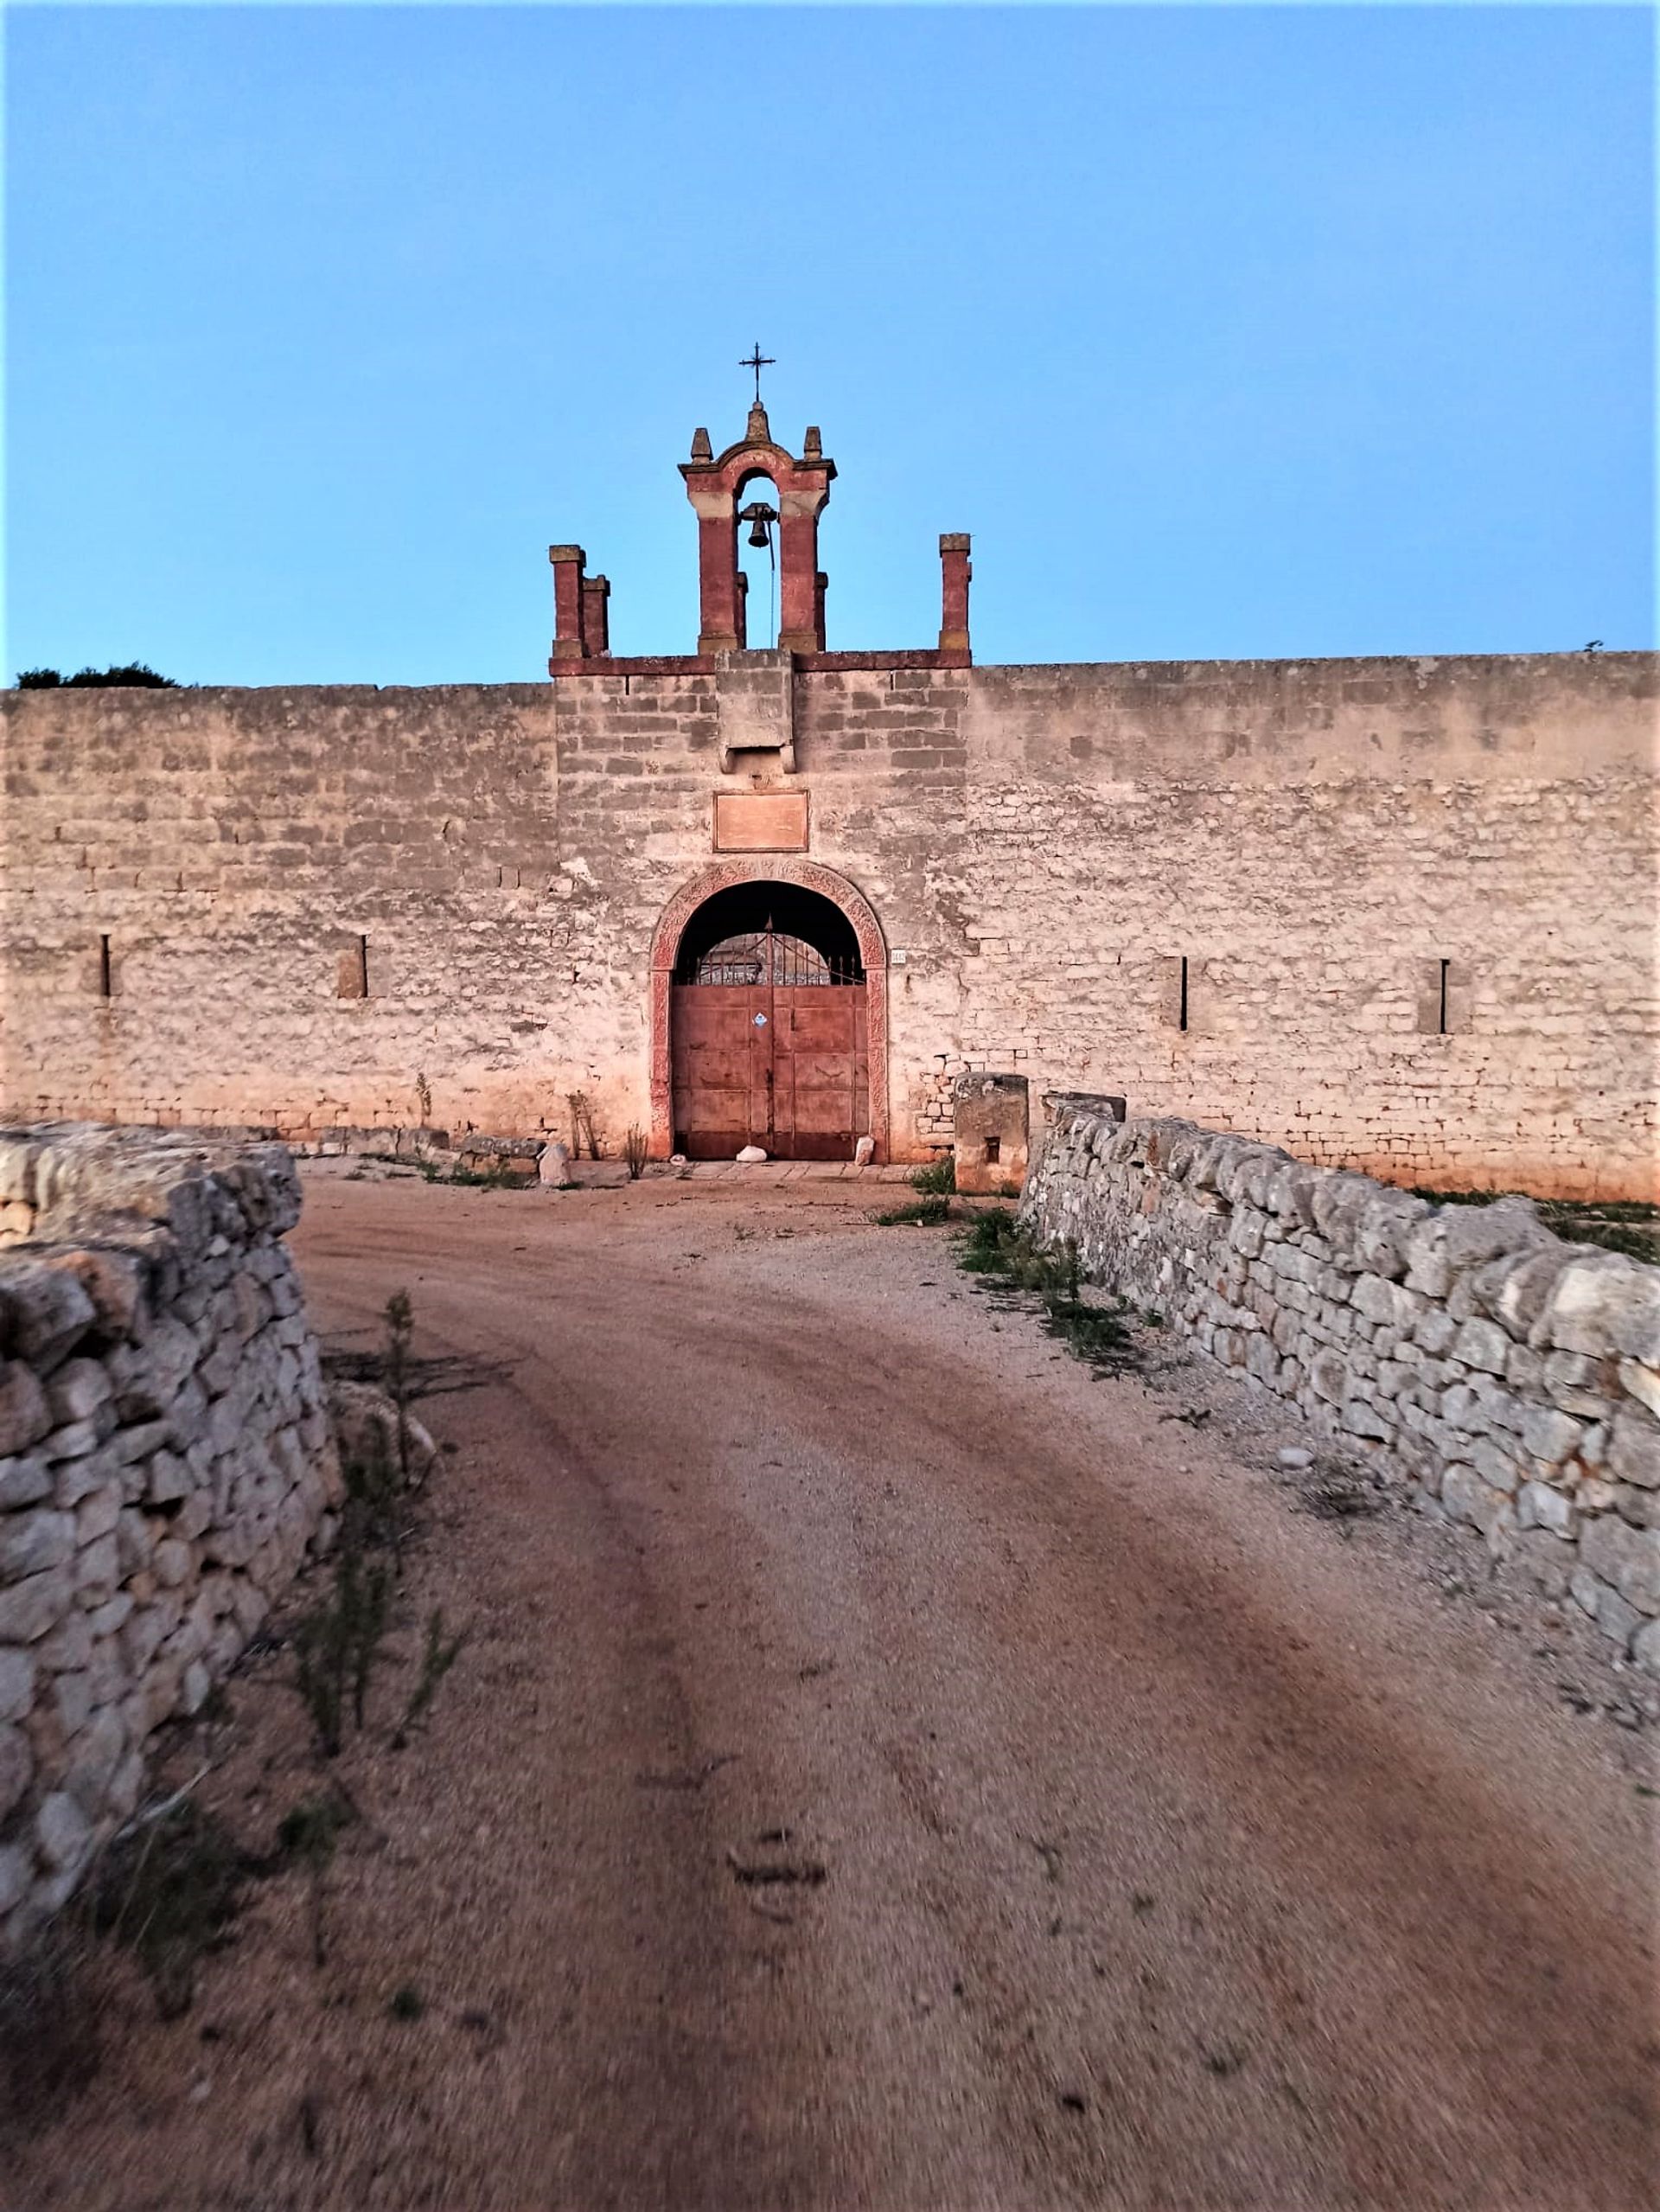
928 1213
167 1890
996 1247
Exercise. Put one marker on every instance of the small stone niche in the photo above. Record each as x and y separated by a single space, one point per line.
990 1123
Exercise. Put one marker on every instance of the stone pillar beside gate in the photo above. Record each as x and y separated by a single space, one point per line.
990 1123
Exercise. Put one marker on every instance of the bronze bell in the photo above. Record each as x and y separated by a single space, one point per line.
760 518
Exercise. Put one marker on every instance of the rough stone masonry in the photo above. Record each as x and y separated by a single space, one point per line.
1511 1378
166 1459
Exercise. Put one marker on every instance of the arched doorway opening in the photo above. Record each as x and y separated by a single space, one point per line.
769 1016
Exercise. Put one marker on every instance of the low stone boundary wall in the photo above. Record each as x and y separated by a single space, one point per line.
165 1462
1509 1376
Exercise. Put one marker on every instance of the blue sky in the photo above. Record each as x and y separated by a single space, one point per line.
1228 332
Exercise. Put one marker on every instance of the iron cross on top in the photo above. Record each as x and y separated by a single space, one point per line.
757 360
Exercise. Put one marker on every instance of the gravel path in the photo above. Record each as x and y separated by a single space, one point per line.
893 1766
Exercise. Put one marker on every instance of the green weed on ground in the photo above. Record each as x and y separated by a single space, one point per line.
926 1213
938 1179
167 1890
1018 1272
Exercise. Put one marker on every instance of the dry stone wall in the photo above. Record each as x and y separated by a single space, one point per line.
1512 1379
165 1462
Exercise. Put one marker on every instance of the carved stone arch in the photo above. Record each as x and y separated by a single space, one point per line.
808 875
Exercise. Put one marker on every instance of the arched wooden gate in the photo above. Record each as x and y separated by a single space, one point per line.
769 1017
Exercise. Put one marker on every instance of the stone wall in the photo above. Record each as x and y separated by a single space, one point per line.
1512 1379
165 1461
1415 899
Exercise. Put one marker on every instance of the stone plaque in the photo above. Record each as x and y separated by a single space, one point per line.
761 822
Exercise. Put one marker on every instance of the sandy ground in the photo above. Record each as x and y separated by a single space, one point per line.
1154 1843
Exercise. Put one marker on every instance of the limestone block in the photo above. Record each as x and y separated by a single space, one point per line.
1467 1497
1520 1293
1262 1360
17 1677
170 1561
93 1757
25 1416
78 1389
1373 1297
72 1700
1292 1193
169 1356
1634 1451
168 1479
114 1281
145 1632
77 1438
62 1832
16 1767
1483 1344
1549 1436
194 1516
1328 1375
1642 1383
19 1152
135 1534
1538 1505
1494 1465
1245 1232
33 1540
1393 1377
44 1312
231 1544
1523 1369
1600 1304
1385 1225
104 1619
1451 1240
1360 1418
249 1606
128 1445
1645 1647
1340 1201
75 1478
23 1482
1434 1331
98 1512
1605 1606
97 1571
66 1647
1460 1409
1626 1557
553 1167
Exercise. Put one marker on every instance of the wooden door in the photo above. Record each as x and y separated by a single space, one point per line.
780 1065
723 1067
821 1080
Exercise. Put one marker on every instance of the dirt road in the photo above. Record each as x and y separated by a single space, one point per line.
893 1768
